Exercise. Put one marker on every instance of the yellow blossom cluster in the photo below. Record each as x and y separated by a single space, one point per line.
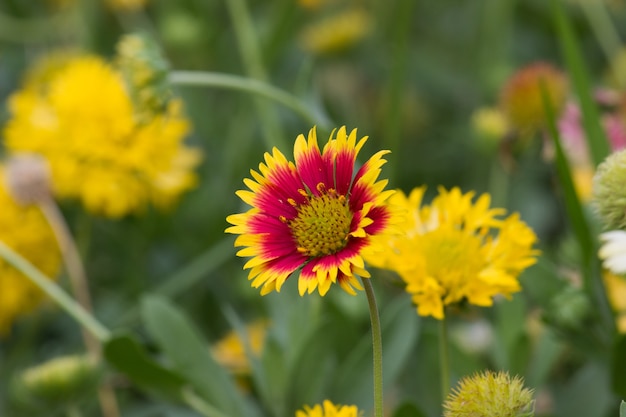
25 230
455 250
76 112
336 32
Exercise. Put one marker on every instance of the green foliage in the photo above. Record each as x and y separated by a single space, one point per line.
126 355
187 351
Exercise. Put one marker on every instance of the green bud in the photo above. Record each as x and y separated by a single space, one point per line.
609 191
570 308
490 394
56 383
145 72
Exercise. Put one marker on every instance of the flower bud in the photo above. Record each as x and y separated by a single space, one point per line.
28 178
145 71
609 191
521 99
490 394
56 383
570 308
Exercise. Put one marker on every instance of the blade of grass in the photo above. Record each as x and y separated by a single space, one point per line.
572 203
597 142
591 267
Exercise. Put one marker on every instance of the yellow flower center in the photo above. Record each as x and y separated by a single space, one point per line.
322 226
452 256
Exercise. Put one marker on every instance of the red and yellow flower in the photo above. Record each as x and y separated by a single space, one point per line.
315 215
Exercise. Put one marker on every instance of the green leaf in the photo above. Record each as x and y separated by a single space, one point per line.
311 371
189 355
353 377
596 139
546 354
126 355
618 367
587 393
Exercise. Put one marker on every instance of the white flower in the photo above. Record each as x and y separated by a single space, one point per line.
613 251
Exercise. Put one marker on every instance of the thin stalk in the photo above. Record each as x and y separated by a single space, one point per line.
377 348
52 290
74 266
199 404
260 88
444 361
80 288
250 51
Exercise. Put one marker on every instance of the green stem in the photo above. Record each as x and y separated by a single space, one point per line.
444 363
377 348
55 292
247 39
260 88
199 404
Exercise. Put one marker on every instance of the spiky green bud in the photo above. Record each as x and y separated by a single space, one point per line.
609 191
490 394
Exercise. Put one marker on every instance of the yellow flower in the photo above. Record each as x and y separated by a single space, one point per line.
337 32
26 231
616 291
78 115
328 410
521 99
455 250
230 351
490 394
490 124
126 5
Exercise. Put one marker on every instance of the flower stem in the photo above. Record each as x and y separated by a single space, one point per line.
444 363
55 292
260 88
78 279
377 347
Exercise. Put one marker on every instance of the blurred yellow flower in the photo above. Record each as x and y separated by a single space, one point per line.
616 291
490 124
328 410
26 231
456 250
76 112
521 99
230 351
337 32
